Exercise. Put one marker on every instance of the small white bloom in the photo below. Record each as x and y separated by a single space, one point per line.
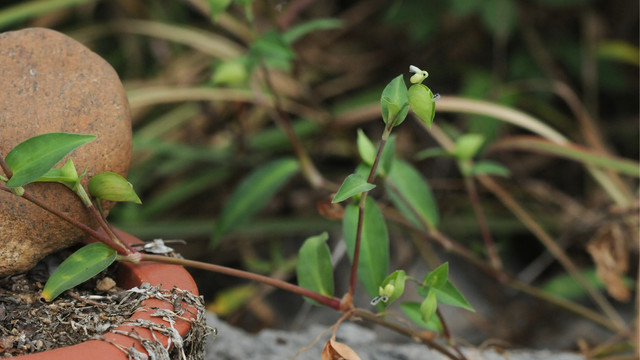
418 75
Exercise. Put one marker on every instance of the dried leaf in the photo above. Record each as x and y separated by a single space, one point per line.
334 350
609 252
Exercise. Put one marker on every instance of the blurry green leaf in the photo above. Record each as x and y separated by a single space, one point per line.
564 3
353 184
366 149
395 282
274 50
298 31
431 152
314 268
428 307
231 72
567 287
243 2
81 266
388 154
252 194
231 299
489 168
619 50
374 244
412 310
34 157
467 146
217 7
422 104
571 152
438 277
500 16
113 187
449 295
411 194
28 9
66 175
464 7
394 101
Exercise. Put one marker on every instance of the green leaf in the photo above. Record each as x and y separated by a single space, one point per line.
113 187
467 146
489 168
366 149
388 154
66 175
314 268
32 158
231 72
275 51
428 307
374 244
252 194
412 310
431 152
422 104
438 277
217 7
353 184
566 286
393 286
298 31
81 266
448 294
411 195
394 101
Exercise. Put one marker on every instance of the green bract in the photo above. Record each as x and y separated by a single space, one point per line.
113 187
393 286
422 104
66 175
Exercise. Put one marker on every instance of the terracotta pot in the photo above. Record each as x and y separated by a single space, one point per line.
129 276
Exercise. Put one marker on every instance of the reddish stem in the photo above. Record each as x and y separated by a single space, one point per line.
325 300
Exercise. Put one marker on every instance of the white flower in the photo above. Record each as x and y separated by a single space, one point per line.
418 75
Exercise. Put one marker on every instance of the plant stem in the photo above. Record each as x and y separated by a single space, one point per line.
482 222
331 302
5 168
361 208
447 335
96 235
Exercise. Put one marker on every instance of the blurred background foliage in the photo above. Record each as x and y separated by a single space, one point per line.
203 120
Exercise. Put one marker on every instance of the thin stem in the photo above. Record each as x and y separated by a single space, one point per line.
447 335
96 235
361 208
5 168
331 302
367 315
482 222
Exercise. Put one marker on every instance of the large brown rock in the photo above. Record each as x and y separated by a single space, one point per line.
52 83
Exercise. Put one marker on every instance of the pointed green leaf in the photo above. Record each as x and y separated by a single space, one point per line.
411 195
353 184
393 286
314 268
374 245
298 31
412 310
33 157
467 146
489 168
66 175
422 104
366 149
275 51
428 307
394 101
431 152
81 266
113 187
217 7
252 194
388 154
438 277
448 294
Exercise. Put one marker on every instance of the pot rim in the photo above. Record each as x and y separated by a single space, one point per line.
131 275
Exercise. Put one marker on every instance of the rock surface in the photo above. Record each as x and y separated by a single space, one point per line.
234 344
52 83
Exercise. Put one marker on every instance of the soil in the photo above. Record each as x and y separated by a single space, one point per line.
29 324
